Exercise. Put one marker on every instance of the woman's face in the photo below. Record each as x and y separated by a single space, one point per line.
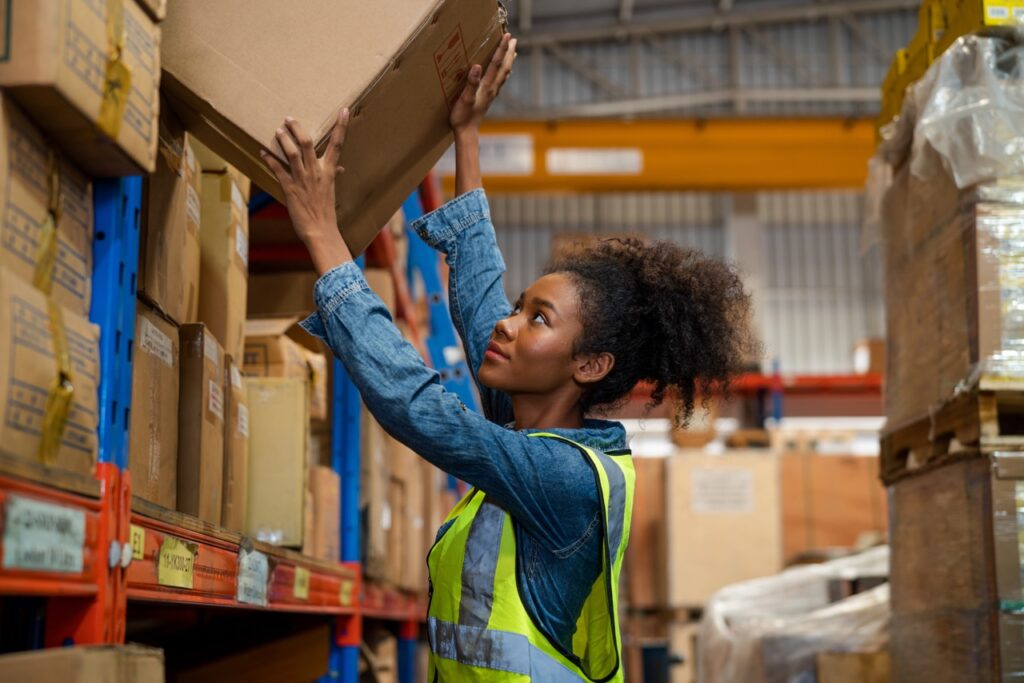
531 351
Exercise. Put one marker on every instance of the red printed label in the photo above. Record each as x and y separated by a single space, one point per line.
452 65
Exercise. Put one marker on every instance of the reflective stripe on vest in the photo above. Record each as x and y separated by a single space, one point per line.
477 622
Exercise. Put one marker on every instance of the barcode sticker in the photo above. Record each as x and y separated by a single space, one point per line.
42 536
216 400
211 350
243 420
242 246
253 570
192 207
156 343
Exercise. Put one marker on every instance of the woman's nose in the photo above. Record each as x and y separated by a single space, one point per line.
505 328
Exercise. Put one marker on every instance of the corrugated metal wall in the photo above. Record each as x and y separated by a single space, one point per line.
818 295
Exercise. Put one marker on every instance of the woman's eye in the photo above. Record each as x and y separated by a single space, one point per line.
539 317
516 310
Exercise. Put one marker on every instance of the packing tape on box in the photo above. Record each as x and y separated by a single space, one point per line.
46 252
58 401
117 79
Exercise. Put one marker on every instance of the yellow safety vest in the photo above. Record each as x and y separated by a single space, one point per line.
477 625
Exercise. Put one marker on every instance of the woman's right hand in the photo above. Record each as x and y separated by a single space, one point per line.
482 88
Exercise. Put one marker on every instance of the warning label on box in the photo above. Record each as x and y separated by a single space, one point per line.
722 491
452 65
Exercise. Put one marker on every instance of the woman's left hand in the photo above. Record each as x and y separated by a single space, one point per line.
308 185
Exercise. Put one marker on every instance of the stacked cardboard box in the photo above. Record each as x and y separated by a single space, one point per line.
93 664
234 505
201 424
72 103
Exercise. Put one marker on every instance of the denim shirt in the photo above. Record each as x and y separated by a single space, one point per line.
546 485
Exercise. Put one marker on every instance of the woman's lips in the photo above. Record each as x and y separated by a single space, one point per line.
494 352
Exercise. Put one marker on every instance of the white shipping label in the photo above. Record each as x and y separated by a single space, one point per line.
192 207
253 571
216 400
239 201
156 343
211 350
236 377
242 246
42 536
243 420
722 491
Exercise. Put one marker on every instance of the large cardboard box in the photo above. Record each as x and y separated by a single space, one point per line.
956 571
28 371
407 560
101 112
201 424
723 521
153 435
830 501
376 510
301 656
169 249
278 439
646 561
29 168
278 347
952 292
92 664
235 67
224 264
236 449
156 8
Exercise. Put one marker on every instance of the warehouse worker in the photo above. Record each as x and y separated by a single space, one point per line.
525 571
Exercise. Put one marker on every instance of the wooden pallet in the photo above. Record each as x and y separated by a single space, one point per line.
975 423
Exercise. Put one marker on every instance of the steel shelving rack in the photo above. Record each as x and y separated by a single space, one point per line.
114 546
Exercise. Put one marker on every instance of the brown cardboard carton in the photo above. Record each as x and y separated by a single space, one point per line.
235 67
732 496
236 449
374 491
224 269
153 435
325 486
959 525
854 667
278 439
169 248
273 349
201 424
829 501
25 179
28 371
297 656
280 294
91 664
56 65
211 162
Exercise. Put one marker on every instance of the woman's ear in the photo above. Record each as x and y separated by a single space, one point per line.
593 367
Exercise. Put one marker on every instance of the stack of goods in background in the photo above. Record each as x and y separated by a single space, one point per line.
715 517
58 132
949 184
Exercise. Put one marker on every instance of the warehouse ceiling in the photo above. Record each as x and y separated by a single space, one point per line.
641 58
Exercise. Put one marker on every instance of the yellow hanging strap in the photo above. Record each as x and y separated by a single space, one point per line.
46 252
58 402
117 80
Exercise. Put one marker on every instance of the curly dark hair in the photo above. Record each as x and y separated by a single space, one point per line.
670 315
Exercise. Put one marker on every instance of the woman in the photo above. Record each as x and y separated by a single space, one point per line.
524 572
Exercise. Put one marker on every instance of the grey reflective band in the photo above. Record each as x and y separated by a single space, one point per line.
479 565
496 650
616 503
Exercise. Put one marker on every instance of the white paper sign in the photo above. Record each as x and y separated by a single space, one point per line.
253 570
42 536
156 343
722 491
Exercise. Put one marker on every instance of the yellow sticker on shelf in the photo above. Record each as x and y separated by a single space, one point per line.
176 563
301 587
138 535
345 592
